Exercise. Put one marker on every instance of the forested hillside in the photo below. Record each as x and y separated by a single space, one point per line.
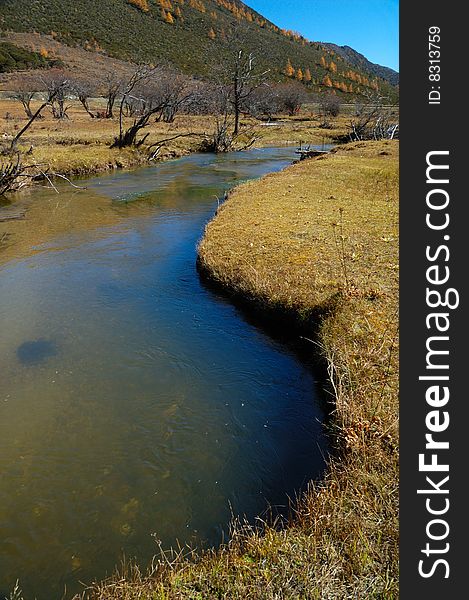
193 35
363 64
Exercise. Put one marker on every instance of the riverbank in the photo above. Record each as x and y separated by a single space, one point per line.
318 241
80 145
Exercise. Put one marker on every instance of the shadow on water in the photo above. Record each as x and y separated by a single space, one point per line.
35 352
285 328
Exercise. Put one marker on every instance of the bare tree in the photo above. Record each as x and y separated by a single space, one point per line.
373 120
56 83
140 82
173 91
25 90
112 85
222 139
291 97
202 100
237 79
83 89
264 102
14 173
240 73
244 79
151 92
51 95
169 90
329 106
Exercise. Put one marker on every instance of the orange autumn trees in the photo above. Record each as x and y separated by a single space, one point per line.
289 70
317 68
299 74
140 4
198 5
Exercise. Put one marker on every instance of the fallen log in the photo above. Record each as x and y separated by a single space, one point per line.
310 152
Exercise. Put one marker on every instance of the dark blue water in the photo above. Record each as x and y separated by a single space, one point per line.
135 404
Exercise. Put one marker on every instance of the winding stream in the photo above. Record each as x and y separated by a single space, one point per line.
137 405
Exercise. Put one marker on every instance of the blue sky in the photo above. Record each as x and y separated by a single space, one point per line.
369 26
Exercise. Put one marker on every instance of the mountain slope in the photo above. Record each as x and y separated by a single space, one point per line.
13 58
194 35
361 62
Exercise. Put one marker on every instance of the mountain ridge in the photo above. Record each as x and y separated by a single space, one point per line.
359 60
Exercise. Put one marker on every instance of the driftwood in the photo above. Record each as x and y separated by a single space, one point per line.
14 175
310 152
159 145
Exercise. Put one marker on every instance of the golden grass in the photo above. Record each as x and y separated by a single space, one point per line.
81 145
319 241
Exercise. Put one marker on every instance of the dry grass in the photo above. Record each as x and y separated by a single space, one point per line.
319 241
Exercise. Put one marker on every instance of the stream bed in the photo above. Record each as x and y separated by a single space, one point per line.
137 405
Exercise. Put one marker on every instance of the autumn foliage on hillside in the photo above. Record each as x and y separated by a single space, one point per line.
193 36
141 4
332 77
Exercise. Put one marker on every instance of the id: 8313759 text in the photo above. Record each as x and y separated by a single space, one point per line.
434 66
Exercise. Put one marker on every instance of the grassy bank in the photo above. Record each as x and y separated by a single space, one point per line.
317 241
80 145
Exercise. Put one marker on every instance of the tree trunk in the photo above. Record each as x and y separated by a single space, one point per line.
84 101
236 106
129 137
27 108
109 107
237 115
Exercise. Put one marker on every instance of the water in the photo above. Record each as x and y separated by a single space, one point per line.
136 404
